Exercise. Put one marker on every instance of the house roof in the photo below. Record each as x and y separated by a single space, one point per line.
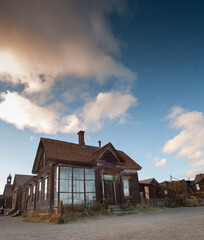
20 180
148 181
199 177
71 152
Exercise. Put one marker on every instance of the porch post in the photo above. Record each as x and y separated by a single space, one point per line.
103 187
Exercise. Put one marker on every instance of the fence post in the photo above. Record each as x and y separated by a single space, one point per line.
60 209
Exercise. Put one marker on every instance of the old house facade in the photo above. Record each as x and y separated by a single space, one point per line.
18 190
79 175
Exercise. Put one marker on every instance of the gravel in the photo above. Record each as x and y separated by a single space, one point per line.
177 223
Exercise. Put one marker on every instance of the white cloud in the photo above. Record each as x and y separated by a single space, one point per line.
159 162
199 163
189 142
197 155
22 113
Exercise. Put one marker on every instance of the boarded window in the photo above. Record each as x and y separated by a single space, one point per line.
146 192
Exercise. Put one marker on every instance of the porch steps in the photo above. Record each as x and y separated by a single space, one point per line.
16 214
10 212
117 210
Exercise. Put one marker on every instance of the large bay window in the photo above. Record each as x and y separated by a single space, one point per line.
76 186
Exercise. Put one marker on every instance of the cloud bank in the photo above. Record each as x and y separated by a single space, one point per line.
189 143
46 44
23 113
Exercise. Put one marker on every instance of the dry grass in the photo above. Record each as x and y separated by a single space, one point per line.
36 217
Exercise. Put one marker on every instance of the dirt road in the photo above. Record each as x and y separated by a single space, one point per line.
180 223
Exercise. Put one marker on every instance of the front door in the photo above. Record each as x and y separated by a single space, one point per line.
109 191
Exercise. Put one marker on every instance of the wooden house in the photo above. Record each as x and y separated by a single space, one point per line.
17 189
198 185
80 175
151 189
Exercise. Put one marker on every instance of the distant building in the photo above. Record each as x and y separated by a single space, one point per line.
6 198
17 188
151 189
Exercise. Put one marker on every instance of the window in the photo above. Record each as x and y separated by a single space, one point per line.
126 188
90 186
107 177
75 186
78 186
39 190
29 192
197 187
45 188
56 175
66 185
33 195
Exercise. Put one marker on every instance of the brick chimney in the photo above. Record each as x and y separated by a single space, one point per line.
81 137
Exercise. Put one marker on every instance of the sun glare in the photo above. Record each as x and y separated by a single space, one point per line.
5 61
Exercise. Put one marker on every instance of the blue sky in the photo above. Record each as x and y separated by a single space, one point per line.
127 72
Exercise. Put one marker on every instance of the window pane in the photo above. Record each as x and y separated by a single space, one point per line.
90 186
45 189
125 183
126 188
90 198
65 185
78 198
90 174
66 198
108 177
55 198
78 173
78 186
65 173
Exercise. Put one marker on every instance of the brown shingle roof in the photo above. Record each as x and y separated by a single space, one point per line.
199 177
67 151
148 181
20 180
71 152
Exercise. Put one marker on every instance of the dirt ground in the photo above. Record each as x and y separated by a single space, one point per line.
179 223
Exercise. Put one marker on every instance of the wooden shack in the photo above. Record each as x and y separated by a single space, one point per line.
198 185
151 189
